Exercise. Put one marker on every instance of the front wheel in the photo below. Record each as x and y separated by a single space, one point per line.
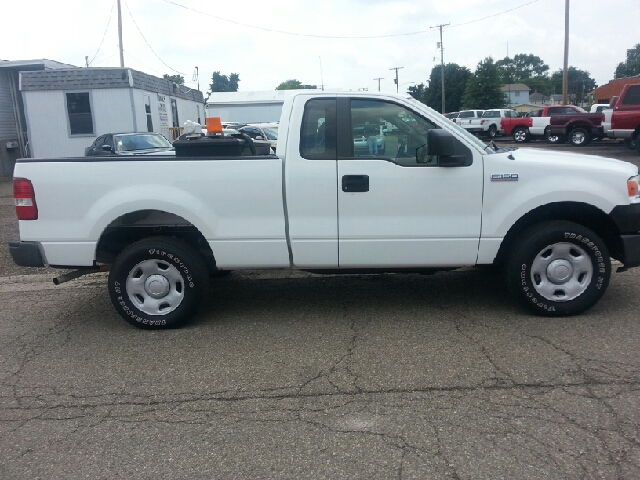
158 283
558 268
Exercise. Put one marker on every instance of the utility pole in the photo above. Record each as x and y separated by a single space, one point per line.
86 61
396 79
442 63
378 79
565 72
120 35
196 77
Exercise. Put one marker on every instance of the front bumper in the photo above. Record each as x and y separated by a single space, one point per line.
26 254
627 219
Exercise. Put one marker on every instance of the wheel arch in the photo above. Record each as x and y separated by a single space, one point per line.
583 214
573 126
140 224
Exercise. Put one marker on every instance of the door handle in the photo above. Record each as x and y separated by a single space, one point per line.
355 183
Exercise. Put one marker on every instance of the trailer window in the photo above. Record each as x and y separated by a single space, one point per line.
79 113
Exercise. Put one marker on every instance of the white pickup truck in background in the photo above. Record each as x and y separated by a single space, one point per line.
435 198
489 123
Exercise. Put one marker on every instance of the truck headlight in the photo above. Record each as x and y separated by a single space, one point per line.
632 188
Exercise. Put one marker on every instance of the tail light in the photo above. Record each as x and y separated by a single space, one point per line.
24 198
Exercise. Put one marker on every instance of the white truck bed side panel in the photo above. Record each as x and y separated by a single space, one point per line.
227 200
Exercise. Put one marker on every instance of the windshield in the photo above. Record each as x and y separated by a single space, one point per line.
128 143
271 133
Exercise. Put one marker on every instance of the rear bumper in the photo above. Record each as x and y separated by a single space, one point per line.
26 254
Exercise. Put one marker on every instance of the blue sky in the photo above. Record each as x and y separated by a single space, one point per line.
342 44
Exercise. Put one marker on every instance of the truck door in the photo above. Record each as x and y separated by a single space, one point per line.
395 210
311 184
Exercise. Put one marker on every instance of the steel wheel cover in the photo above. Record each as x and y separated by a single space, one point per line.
561 272
155 287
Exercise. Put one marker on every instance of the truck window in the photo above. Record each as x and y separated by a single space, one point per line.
632 97
398 144
319 130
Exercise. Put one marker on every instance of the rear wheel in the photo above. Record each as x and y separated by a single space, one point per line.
558 268
638 144
158 283
492 132
579 137
521 135
629 143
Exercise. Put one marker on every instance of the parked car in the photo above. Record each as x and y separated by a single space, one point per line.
490 122
625 117
130 144
465 116
538 123
452 116
267 131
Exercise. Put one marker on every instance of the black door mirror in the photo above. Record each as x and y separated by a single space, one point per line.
446 148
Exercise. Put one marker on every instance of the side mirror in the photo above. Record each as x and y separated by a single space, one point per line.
440 142
443 146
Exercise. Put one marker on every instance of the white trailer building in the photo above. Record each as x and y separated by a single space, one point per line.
248 107
67 109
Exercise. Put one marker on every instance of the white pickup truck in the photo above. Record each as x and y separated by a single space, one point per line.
437 198
489 123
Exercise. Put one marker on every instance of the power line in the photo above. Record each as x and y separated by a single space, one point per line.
103 36
283 32
145 40
494 15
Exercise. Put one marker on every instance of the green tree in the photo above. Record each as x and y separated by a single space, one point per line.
455 78
223 83
483 87
521 67
294 85
631 66
528 69
417 91
579 84
179 79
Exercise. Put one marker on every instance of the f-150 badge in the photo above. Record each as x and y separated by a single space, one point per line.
504 177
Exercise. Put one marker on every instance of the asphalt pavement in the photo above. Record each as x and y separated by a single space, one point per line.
291 375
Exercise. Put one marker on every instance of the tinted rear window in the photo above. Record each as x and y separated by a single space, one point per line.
632 96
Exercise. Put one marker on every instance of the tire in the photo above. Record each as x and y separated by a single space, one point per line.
158 283
637 142
555 139
579 137
492 132
521 135
558 269
629 143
